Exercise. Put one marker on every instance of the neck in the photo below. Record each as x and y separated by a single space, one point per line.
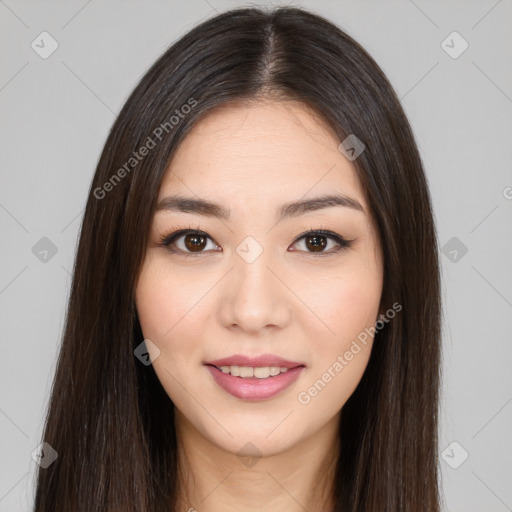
300 478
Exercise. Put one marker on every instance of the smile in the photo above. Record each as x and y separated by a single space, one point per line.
261 372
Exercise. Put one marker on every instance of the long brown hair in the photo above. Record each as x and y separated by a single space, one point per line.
109 418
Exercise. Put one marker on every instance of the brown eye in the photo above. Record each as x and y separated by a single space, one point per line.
316 243
195 242
189 242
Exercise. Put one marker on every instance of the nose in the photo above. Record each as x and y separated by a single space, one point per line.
254 296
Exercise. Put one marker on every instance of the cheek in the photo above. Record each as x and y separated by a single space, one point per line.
340 354
343 306
348 306
167 304
170 318
355 307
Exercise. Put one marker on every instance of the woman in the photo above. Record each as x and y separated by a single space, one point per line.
254 320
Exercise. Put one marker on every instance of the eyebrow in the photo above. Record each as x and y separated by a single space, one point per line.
294 209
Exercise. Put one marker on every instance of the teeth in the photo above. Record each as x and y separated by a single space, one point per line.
246 371
259 372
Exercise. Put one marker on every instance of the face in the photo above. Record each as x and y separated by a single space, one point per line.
251 276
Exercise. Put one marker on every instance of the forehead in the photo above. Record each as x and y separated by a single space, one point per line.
262 151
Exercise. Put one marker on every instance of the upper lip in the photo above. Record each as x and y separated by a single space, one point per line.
255 361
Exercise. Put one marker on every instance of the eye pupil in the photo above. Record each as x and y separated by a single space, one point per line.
317 244
195 242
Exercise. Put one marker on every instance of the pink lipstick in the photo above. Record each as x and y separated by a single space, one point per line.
254 377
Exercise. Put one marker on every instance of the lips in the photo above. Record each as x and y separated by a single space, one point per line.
254 389
255 361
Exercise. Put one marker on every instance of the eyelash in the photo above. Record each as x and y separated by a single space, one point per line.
167 240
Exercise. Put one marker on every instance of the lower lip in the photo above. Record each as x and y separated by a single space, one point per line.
252 388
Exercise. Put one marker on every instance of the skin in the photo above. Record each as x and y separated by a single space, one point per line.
298 304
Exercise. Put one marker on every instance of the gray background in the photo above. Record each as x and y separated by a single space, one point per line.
56 113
